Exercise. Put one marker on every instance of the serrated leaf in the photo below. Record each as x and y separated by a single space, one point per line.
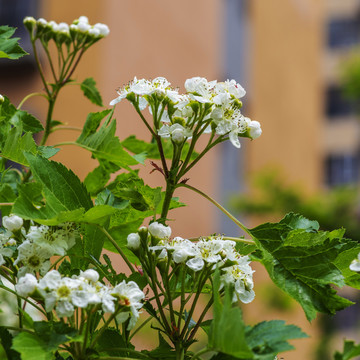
270 338
301 262
28 122
88 86
16 144
9 47
350 351
110 342
64 194
102 141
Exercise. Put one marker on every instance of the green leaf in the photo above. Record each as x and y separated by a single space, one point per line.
9 47
110 342
96 180
29 122
7 341
88 86
65 196
227 330
16 144
270 338
31 347
7 195
301 262
102 141
349 352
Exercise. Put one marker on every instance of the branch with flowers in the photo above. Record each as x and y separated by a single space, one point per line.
71 304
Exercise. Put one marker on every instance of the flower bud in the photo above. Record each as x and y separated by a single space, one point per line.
29 23
133 241
2 99
12 223
90 275
159 230
103 29
178 136
254 129
26 285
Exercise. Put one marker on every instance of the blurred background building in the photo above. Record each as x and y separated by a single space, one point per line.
286 53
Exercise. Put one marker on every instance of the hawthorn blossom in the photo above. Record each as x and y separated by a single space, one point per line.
129 296
34 258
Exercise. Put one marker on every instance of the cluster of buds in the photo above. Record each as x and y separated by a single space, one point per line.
80 30
207 107
64 294
206 254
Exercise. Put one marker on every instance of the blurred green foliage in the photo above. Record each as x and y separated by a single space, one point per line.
333 208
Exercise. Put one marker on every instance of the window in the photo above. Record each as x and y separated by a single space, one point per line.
342 169
344 32
337 105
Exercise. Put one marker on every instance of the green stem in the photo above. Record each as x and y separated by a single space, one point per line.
19 329
170 188
7 204
27 97
201 318
39 68
140 327
116 246
66 128
16 294
236 221
52 100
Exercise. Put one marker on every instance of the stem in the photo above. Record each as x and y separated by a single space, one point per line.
7 204
52 100
39 68
236 221
19 329
170 188
30 96
66 128
140 327
131 351
196 327
28 301
105 326
116 246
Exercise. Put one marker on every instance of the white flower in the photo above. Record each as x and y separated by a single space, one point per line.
42 22
129 296
254 129
177 132
200 89
133 241
90 275
60 238
103 29
240 276
159 230
231 87
355 264
205 251
181 249
2 99
34 258
26 285
12 223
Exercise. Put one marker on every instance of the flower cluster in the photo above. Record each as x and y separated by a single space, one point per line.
208 106
34 247
80 29
207 254
64 294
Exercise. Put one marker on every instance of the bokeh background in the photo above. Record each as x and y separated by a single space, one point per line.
292 57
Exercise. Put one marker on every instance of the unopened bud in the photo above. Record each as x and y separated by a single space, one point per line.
12 223
29 23
133 241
